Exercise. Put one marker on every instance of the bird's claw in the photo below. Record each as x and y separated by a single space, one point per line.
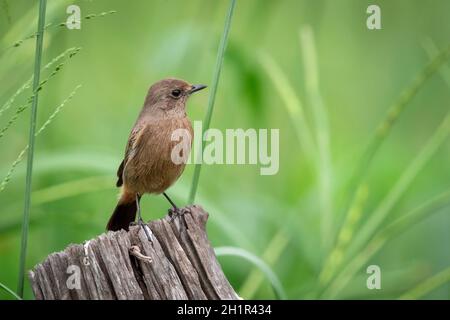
176 213
147 230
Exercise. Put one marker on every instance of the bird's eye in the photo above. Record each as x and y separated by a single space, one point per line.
176 93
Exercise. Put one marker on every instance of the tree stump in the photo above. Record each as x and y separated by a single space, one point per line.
179 263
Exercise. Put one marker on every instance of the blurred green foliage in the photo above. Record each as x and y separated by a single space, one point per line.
341 76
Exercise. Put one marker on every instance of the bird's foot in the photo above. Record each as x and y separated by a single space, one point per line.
147 230
177 212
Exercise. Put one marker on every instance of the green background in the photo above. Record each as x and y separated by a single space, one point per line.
282 218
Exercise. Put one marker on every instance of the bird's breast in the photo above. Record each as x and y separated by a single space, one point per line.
152 167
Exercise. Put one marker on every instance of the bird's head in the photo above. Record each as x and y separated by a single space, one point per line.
167 98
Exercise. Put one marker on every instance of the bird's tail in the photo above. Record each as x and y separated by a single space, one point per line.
124 213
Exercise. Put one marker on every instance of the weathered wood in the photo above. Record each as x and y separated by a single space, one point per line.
179 263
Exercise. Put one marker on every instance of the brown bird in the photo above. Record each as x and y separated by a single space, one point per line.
148 166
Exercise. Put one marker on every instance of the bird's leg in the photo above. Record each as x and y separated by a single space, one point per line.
174 206
174 211
141 222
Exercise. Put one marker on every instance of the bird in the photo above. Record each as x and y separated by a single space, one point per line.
148 167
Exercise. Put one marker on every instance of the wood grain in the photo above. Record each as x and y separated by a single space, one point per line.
178 264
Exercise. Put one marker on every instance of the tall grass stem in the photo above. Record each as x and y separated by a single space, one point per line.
212 97
10 291
427 285
292 102
27 202
319 112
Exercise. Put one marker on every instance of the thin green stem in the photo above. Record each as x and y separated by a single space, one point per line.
23 107
212 97
26 211
336 256
18 43
292 102
19 158
69 53
8 103
272 254
428 285
432 51
260 264
10 291
319 112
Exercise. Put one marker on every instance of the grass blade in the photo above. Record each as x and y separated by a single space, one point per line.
319 113
271 255
395 112
292 102
432 51
10 291
375 244
428 285
385 207
390 232
26 211
358 180
260 264
212 96
336 256
401 186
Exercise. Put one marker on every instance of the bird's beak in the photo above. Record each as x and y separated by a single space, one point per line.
197 87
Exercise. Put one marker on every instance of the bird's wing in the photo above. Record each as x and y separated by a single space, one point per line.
119 182
132 141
